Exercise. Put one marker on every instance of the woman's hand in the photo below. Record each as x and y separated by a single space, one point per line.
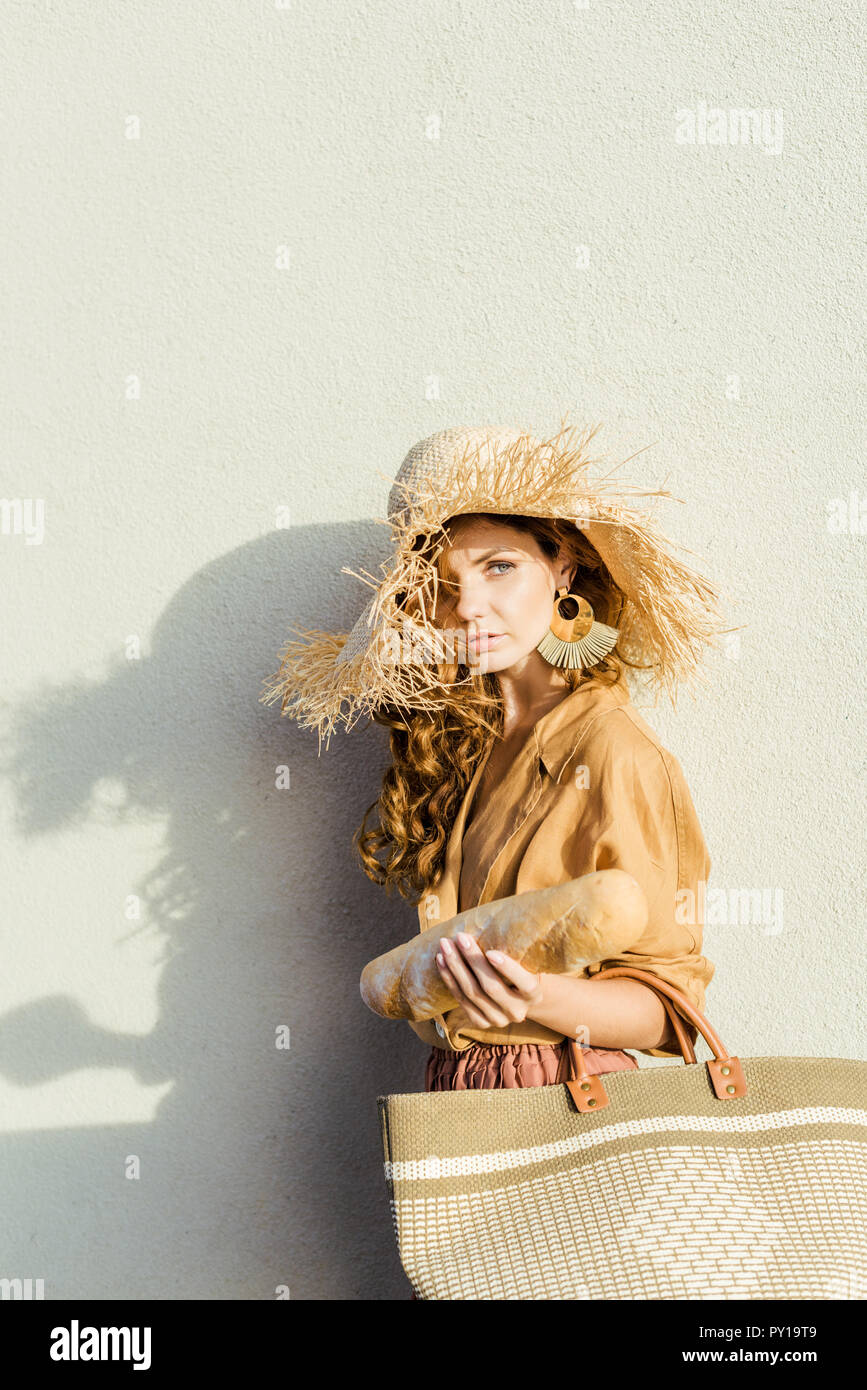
492 989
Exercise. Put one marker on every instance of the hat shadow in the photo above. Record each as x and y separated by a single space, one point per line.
261 1166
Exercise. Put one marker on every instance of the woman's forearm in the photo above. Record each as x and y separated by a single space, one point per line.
603 1013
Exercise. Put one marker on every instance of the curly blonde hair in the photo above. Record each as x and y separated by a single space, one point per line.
434 755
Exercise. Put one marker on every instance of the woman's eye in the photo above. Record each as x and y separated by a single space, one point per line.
496 564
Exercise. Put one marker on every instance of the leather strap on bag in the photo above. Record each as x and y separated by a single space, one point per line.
725 1072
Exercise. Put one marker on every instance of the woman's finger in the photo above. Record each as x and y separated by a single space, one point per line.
460 969
480 1010
526 982
477 975
472 1014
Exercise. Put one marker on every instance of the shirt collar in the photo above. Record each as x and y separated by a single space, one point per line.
559 731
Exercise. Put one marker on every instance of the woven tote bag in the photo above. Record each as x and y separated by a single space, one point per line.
732 1179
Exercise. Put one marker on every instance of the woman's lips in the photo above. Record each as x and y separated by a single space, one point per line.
484 640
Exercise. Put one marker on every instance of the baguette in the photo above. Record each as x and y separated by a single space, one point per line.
556 930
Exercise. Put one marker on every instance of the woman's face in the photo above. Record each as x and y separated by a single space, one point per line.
499 593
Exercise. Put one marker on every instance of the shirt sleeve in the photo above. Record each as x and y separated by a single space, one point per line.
635 813
428 1031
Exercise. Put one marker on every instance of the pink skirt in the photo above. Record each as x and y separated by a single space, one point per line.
490 1066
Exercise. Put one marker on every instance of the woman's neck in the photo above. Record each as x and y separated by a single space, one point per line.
528 690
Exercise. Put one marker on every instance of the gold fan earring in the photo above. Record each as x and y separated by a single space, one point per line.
575 638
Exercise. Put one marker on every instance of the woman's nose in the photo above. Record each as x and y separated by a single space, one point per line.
468 608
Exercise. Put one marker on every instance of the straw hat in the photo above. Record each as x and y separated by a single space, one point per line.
390 656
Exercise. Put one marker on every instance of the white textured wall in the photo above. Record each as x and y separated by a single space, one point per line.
341 227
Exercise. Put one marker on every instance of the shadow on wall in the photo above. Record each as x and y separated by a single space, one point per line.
262 1167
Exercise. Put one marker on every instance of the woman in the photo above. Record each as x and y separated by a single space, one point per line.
494 649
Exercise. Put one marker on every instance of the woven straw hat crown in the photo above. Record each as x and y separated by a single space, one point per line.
435 457
668 618
431 461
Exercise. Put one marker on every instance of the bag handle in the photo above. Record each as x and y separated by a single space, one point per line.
725 1072
681 1036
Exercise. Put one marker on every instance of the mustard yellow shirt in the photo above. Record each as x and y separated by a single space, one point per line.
592 788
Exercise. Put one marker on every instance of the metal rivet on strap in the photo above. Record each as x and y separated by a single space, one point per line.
731 1090
585 1085
725 1070
592 1100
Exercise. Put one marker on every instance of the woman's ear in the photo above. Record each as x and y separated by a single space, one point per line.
564 573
